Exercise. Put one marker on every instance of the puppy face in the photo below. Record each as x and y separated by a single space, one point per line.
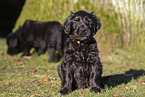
14 45
82 25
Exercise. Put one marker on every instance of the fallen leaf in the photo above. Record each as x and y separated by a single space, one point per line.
135 87
116 95
47 79
27 57
126 87
143 83
15 58
18 63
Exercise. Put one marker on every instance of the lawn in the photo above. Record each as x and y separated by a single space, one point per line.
123 72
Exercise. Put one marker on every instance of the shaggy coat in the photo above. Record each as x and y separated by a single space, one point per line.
39 35
81 66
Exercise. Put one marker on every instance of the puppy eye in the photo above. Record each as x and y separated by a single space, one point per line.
78 19
86 19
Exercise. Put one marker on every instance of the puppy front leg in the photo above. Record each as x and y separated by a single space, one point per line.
95 78
26 50
51 51
65 75
67 84
52 56
42 47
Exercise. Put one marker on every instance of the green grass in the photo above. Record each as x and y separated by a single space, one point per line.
21 77
123 69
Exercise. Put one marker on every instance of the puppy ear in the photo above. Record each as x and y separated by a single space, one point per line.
67 23
66 26
71 13
97 25
13 40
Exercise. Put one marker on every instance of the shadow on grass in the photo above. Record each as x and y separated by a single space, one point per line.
117 79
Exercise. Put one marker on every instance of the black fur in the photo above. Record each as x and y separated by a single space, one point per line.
81 66
40 35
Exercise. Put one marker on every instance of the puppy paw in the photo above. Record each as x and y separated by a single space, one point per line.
64 91
96 90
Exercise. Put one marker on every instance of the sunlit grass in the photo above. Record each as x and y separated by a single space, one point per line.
24 77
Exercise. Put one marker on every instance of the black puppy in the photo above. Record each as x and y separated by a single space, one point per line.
40 35
81 66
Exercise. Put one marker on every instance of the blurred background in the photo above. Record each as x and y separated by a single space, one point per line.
9 13
123 21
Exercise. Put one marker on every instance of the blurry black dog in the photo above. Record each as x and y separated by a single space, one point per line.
81 66
40 35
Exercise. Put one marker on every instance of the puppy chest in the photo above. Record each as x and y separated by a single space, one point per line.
80 54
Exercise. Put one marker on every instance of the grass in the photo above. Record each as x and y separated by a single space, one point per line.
123 72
